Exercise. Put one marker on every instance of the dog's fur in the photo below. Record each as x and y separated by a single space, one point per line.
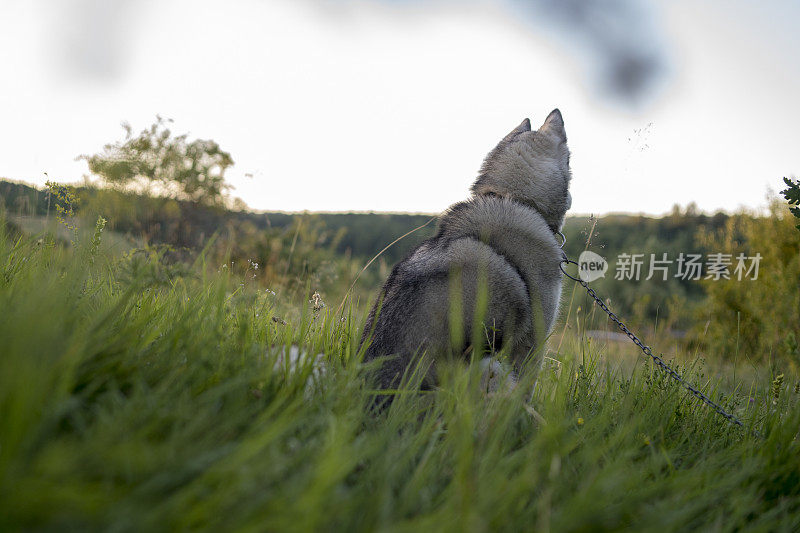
501 240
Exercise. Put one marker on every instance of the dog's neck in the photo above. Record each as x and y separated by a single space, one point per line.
555 228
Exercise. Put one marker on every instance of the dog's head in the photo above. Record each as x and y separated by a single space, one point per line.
531 167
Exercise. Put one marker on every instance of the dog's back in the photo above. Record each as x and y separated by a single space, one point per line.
502 240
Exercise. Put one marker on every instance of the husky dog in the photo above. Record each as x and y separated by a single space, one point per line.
497 250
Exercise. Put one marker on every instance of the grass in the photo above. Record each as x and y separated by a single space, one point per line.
135 395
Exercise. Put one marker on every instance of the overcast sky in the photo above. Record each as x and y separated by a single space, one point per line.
343 105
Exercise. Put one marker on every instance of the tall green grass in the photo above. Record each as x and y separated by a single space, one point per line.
137 395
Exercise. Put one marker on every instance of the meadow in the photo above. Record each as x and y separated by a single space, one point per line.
142 389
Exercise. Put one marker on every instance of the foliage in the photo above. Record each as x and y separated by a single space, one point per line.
65 203
756 319
792 195
192 171
164 400
99 226
665 303
304 252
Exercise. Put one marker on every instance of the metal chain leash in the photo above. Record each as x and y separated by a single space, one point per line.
659 362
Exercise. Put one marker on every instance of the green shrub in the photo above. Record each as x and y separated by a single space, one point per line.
756 319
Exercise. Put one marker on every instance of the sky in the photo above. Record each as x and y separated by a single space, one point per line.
357 105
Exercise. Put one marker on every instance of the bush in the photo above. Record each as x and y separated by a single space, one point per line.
757 319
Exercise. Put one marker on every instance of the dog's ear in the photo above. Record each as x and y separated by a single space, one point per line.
554 125
524 126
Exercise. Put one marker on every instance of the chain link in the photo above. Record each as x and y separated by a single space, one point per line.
659 362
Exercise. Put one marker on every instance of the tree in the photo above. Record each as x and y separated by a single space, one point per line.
792 195
184 170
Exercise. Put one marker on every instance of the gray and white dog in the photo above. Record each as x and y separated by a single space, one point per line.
498 249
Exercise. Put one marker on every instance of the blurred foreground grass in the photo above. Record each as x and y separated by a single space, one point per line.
139 395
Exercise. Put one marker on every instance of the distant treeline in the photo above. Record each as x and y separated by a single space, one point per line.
683 231
266 237
187 224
